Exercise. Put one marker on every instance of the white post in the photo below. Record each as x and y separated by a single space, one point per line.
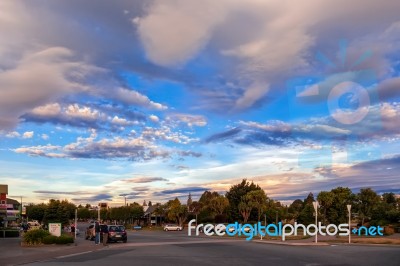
349 210
76 223
315 204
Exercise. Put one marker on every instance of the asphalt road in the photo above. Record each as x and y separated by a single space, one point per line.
176 248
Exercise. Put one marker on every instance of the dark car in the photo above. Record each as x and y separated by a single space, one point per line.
115 233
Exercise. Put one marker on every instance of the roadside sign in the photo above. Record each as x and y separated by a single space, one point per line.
55 229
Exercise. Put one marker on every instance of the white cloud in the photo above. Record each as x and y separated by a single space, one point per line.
28 135
13 134
188 119
121 121
154 118
45 136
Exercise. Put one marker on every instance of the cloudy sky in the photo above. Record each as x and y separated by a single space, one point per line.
155 99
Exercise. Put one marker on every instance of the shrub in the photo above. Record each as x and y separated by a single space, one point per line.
9 233
48 240
388 230
35 237
64 239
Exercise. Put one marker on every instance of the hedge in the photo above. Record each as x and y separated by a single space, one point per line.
9 233
35 237
61 240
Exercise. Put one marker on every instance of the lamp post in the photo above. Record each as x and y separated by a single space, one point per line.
315 205
349 211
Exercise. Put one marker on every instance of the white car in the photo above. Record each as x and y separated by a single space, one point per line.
172 227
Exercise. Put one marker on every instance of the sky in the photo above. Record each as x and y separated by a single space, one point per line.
152 100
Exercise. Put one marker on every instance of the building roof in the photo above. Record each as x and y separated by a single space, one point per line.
150 209
12 201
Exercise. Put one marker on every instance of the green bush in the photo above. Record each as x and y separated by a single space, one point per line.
48 240
64 239
35 237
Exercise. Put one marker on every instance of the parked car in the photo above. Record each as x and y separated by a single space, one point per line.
115 233
172 227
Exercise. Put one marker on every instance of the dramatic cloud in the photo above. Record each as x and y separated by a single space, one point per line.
144 179
185 190
380 123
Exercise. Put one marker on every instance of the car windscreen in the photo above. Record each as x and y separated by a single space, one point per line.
115 228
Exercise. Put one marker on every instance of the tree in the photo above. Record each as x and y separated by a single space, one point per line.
245 208
307 214
36 212
367 199
235 194
295 209
177 211
325 200
83 213
337 213
219 204
258 200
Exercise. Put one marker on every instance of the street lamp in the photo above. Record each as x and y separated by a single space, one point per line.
349 211
315 205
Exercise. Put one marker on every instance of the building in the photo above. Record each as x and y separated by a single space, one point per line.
3 205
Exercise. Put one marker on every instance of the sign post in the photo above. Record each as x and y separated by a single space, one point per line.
315 205
349 211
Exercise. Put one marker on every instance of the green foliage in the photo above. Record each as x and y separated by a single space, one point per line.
295 209
258 200
235 194
366 201
48 240
59 211
61 240
64 239
35 237
219 204
36 212
325 200
176 211
337 213
84 213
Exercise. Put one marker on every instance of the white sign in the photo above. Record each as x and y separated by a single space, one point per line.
55 229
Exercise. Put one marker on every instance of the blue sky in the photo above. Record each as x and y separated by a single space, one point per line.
154 99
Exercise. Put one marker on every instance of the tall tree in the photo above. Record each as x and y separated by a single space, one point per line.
325 200
219 204
295 209
342 196
245 208
258 199
367 199
235 194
